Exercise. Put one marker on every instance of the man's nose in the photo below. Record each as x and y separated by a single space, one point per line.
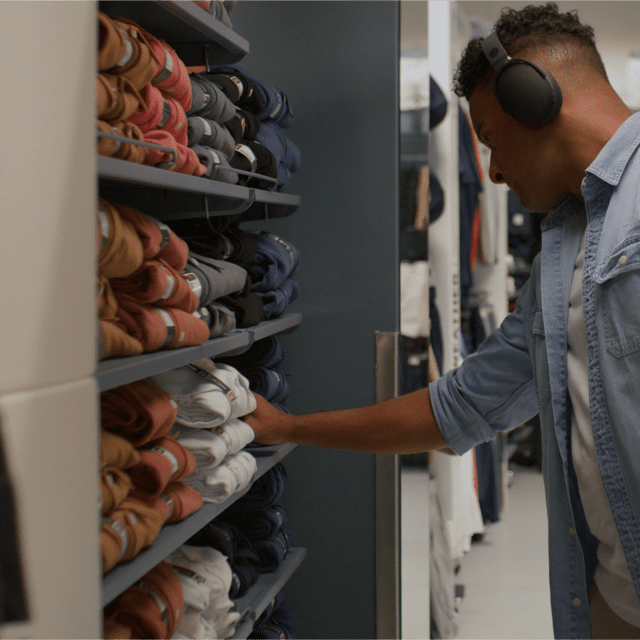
495 171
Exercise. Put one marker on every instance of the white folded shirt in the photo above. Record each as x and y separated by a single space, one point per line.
210 447
217 484
194 626
207 394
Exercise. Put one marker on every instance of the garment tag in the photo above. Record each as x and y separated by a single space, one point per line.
189 573
213 380
170 284
105 228
175 465
164 229
167 70
248 154
283 243
166 113
169 502
207 126
120 529
169 323
274 113
193 282
159 601
128 50
238 83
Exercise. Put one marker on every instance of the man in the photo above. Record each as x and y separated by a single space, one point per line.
571 349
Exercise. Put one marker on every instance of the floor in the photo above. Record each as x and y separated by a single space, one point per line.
505 576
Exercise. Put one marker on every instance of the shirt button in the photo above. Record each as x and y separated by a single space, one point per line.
577 602
622 261
572 531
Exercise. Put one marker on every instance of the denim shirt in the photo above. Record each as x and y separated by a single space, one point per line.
521 370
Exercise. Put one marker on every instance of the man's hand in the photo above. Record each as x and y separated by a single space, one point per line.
271 425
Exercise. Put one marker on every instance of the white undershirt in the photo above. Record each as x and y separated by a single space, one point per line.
612 577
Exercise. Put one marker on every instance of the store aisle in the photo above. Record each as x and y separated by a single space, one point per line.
506 575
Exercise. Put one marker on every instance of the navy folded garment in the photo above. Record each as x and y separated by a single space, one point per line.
276 621
267 352
266 490
275 259
286 153
209 133
270 383
278 602
217 278
260 524
276 107
273 551
276 302
246 571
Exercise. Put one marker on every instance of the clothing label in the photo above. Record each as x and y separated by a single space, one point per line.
189 573
159 601
213 380
167 70
175 465
110 479
204 312
169 323
228 248
238 84
283 243
120 529
274 113
105 229
166 232
169 502
166 114
207 127
170 284
128 50
207 97
248 154
215 158
193 282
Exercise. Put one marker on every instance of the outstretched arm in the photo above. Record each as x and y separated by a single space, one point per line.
400 425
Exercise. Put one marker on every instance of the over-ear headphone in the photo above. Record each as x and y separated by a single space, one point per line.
526 91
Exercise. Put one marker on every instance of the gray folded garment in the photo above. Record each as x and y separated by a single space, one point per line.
212 159
218 318
217 278
209 133
209 101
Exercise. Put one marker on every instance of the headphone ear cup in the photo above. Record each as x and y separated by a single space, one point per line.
529 93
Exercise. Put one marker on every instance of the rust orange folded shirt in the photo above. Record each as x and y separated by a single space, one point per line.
139 412
119 149
115 486
115 451
185 499
117 98
120 252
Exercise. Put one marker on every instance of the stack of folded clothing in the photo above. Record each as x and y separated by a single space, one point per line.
219 9
154 294
274 266
276 622
261 518
244 562
152 608
205 576
142 470
143 93
210 399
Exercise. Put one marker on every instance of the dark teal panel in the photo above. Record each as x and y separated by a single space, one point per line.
338 64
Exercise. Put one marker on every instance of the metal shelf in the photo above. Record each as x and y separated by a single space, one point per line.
170 195
118 371
196 36
264 591
172 536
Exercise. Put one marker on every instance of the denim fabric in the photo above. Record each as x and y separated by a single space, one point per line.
521 370
275 259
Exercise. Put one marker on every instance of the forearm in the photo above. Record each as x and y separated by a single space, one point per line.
401 425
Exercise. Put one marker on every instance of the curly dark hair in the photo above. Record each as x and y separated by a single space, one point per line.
529 29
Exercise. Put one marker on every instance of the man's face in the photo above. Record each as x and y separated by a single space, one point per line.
529 161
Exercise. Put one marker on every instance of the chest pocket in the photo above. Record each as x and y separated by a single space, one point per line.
619 299
541 361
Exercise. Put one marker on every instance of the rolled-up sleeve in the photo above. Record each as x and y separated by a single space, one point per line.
493 390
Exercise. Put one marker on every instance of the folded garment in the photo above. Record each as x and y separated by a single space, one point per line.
193 626
258 524
266 352
115 486
112 43
208 133
270 383
139 63
253 157
217 278
288 156
112 630
187 161
221 617
276 302
219 483
161 112
265 491
184 500
123 150
244 126
120 252
157 283
173 78
216 164
219 318
239 89
274 261
219 11
276 104
279 624
115 342
161 461
157 328
126 531
210 447
247 307
139 412
115 451
207 395
209 101
273 551
158 240
152 607
117 99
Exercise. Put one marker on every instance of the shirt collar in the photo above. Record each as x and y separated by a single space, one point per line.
610 163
